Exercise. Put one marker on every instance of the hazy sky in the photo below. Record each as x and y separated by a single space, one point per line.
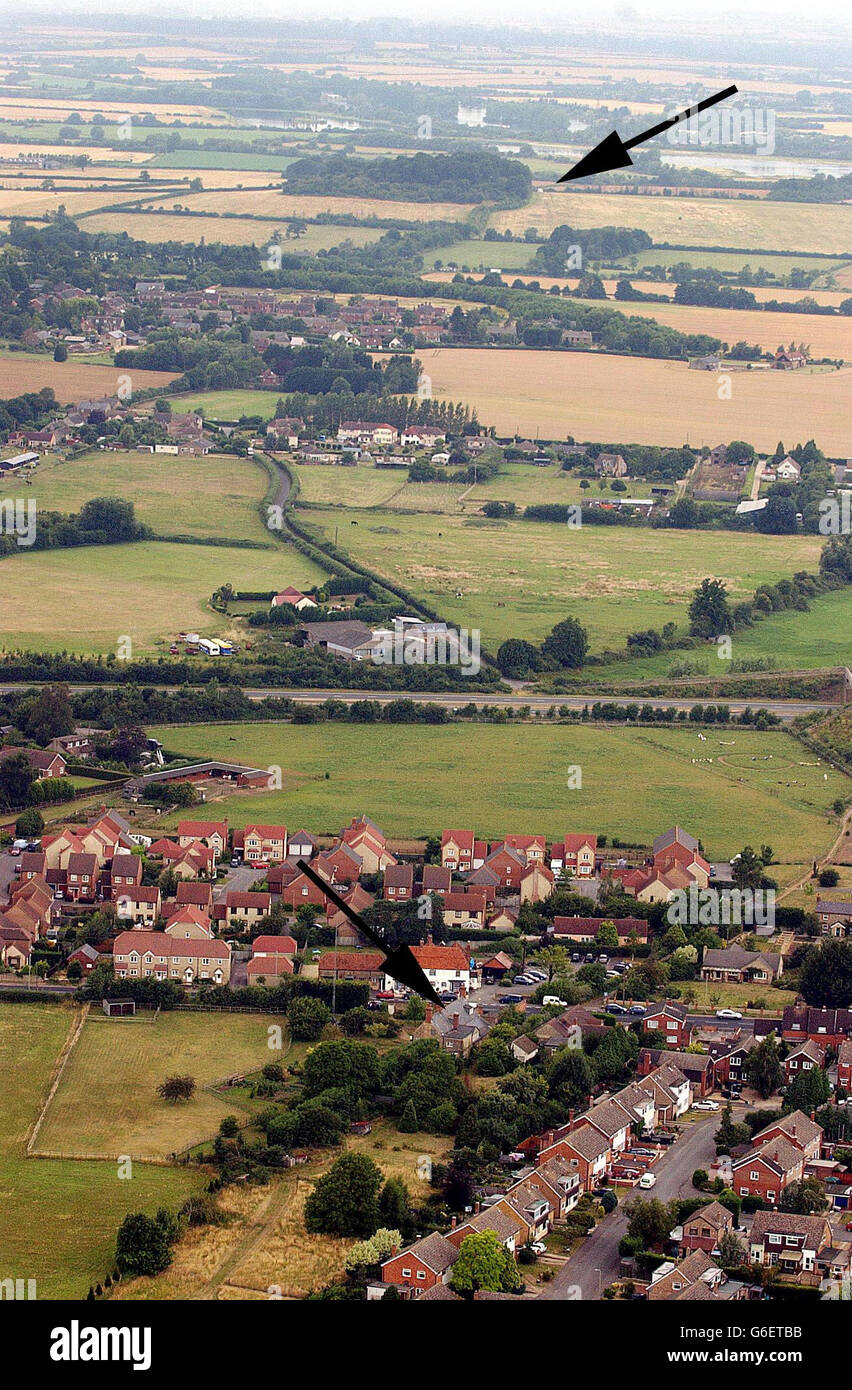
722 15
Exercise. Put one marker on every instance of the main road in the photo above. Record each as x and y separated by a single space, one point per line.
596 1262
786 710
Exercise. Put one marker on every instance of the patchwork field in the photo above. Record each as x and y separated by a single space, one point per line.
148 591
275 204
107 1102
551 395
229 231
518 578
413 781
58 1218
213 496
71 381
757 225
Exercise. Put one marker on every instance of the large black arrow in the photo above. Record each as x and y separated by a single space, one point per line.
611 153
400 963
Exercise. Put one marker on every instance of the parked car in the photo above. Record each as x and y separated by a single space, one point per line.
236 861
523 980
616 1009
603 958
638 1010
540 976
554 999
385 994
511 998
728 1013
648 1180
590 955
706 1105
612 974
575 956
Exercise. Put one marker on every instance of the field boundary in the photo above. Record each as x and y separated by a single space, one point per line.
71 1040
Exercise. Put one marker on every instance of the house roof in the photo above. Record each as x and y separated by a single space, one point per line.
609 1117
434 1251
355 962
787 1223
399 876
676 835
274 945
797 1126
589 1143
779 1154
159 943
442 958
714 1214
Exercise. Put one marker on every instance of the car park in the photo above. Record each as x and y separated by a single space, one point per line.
540 976
511 999
616 1009
523 980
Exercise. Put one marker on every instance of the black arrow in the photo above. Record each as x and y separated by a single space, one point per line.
400 963
611 153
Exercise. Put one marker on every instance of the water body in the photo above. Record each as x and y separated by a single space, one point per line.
755 166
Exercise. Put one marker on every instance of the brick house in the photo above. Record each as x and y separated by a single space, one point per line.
423 1265
436 879
672 1023
141 905
262 842
767 1171
844 1065
144 954
788 1242
734 965
125 872
457 850
575 856
798 1129
828 1026
399 883
509 865
212 833
461 908
704 1229
190 894
587 1152
244 910
82 878
803 1058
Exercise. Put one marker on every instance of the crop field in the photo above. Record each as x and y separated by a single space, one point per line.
107 1102
59 1217
757 225
147 591
229 231
72 380
274 204
213 496
518 578
412 781
733 261
825 337
591 394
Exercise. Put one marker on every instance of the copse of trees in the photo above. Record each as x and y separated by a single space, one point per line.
466 176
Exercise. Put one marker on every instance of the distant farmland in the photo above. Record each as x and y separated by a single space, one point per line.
72 380
598 396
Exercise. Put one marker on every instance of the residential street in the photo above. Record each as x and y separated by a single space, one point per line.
595 1264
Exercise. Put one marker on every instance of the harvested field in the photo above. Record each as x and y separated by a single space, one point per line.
273 204
72 381
555 394
823 227
230 231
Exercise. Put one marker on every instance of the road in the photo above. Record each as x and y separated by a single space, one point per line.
596 1262
785 709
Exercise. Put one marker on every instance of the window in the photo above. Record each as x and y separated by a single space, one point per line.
754 1175
406 1274
421 1274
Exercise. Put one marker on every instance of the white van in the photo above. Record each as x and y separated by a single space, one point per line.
554 999
647 1180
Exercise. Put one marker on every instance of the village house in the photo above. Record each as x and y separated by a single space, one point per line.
670 1020
214 834
844 1065
267 843
575 857
828 1026
462 909
805 1057
668 1280
125 872
834 916
190 922
144 954
733 965
45 763
537 883
398 885
767 1171
583 930
704 1229
367 967
139 905
788 1242
447 968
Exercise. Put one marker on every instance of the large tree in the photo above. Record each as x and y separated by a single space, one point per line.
764 1070
345 1200
484 1263
709 614
825 979
567 644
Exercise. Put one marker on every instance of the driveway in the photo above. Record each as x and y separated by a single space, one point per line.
596 1262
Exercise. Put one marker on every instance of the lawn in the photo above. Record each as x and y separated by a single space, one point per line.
58 1218
148 591
711 222
214 496
518 578
601 396
415 782
107 1103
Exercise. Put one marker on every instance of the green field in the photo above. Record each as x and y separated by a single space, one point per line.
360 485
87 599
107 1103
507 255
228 405
416 782
59 1218
215 495
518 578
219 159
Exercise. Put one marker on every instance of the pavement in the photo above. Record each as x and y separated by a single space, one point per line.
596 1262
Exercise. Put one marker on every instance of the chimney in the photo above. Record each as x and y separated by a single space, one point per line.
570 1117
428 1015
453 1223
476 1207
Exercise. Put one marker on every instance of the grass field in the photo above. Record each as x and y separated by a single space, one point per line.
728 260
598 395
148 591
59 1218
822 227
413 781
359 486
71 381
216 495
518 578
107 1102
507 255
228 405
195 159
